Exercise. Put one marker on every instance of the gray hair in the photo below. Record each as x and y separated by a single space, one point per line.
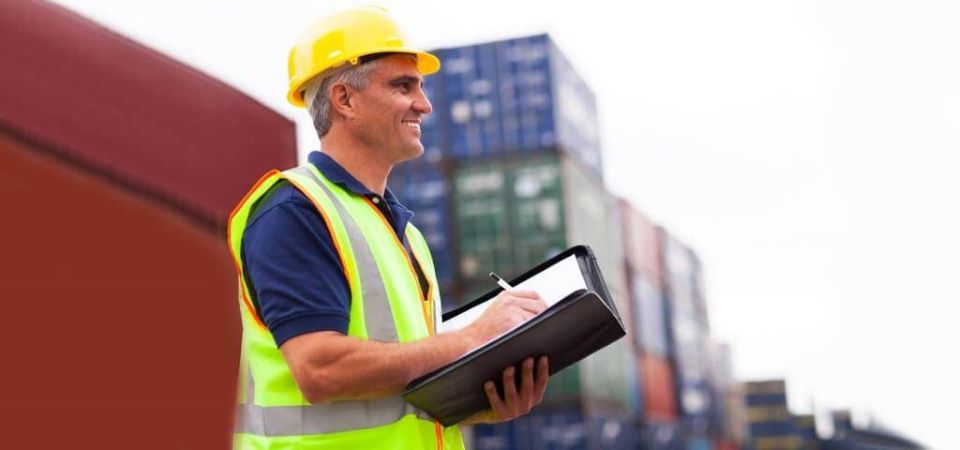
316 93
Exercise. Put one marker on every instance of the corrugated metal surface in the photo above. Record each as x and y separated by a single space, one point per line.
806 427
612 432
641 242
142 117
657 435
525 85
697 403
772 428
537 206
560 429
576 112
688 332
690 336
754 388
767 413
779 400
482 224
699 443
725 444
735 414
563 429
650 331
513 96
433 127
122 314
722 367
609 381
512 213
591 218
425 189
778 443
659 388
469 81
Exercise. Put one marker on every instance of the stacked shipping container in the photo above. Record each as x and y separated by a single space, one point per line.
689 334
771 425
512 175
119 166
650 333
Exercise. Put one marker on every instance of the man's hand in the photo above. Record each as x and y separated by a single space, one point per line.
514 403
509 309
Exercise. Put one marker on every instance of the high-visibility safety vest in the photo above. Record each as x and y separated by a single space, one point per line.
386 304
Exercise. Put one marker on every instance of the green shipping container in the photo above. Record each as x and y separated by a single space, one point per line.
512 213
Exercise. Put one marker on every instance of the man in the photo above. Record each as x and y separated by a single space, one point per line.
339 296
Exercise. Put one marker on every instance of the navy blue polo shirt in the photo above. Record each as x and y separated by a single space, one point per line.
292 265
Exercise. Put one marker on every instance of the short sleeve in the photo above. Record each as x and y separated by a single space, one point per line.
294 269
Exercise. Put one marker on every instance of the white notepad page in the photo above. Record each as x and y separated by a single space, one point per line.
553 284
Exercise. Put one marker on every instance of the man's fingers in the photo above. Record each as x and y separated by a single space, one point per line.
526 389
510 390
524 294
543 373
535 306
496 404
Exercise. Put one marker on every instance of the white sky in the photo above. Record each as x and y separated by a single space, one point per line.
806 149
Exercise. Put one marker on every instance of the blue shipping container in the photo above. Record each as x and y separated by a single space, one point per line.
425 190
612 433
649 316
516 95
661 436
699 443
696 404
433 124
767 400
540 430
773 428
566 429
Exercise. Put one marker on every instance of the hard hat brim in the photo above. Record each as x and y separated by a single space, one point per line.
427 64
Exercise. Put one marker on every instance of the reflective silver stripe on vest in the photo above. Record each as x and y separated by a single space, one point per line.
275 421
376 306
346 415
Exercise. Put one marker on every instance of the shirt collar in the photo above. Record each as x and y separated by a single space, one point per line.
334 172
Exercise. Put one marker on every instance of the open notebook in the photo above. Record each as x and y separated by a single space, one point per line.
580 319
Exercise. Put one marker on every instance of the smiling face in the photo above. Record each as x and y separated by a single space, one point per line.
390 109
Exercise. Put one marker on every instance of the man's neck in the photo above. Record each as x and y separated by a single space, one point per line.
368 166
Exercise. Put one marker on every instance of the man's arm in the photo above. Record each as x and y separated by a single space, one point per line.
329 366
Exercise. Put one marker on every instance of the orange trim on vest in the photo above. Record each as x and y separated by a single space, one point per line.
430 292
236 258
425 304
333 233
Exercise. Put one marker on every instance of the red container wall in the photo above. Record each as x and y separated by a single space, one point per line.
641 242
121 328
659 389
132 112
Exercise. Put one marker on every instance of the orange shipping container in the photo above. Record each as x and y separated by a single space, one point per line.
659 388
110 103
641 242
121 327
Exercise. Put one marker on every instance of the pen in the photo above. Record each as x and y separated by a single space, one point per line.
506 286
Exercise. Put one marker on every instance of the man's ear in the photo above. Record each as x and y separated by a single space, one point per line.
342 99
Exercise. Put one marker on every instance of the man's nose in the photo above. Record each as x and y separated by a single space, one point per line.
422 104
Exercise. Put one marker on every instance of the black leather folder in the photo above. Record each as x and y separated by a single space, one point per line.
583 322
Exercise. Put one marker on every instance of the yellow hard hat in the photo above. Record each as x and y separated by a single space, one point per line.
346 37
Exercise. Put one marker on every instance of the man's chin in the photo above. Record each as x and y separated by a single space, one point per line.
414 152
